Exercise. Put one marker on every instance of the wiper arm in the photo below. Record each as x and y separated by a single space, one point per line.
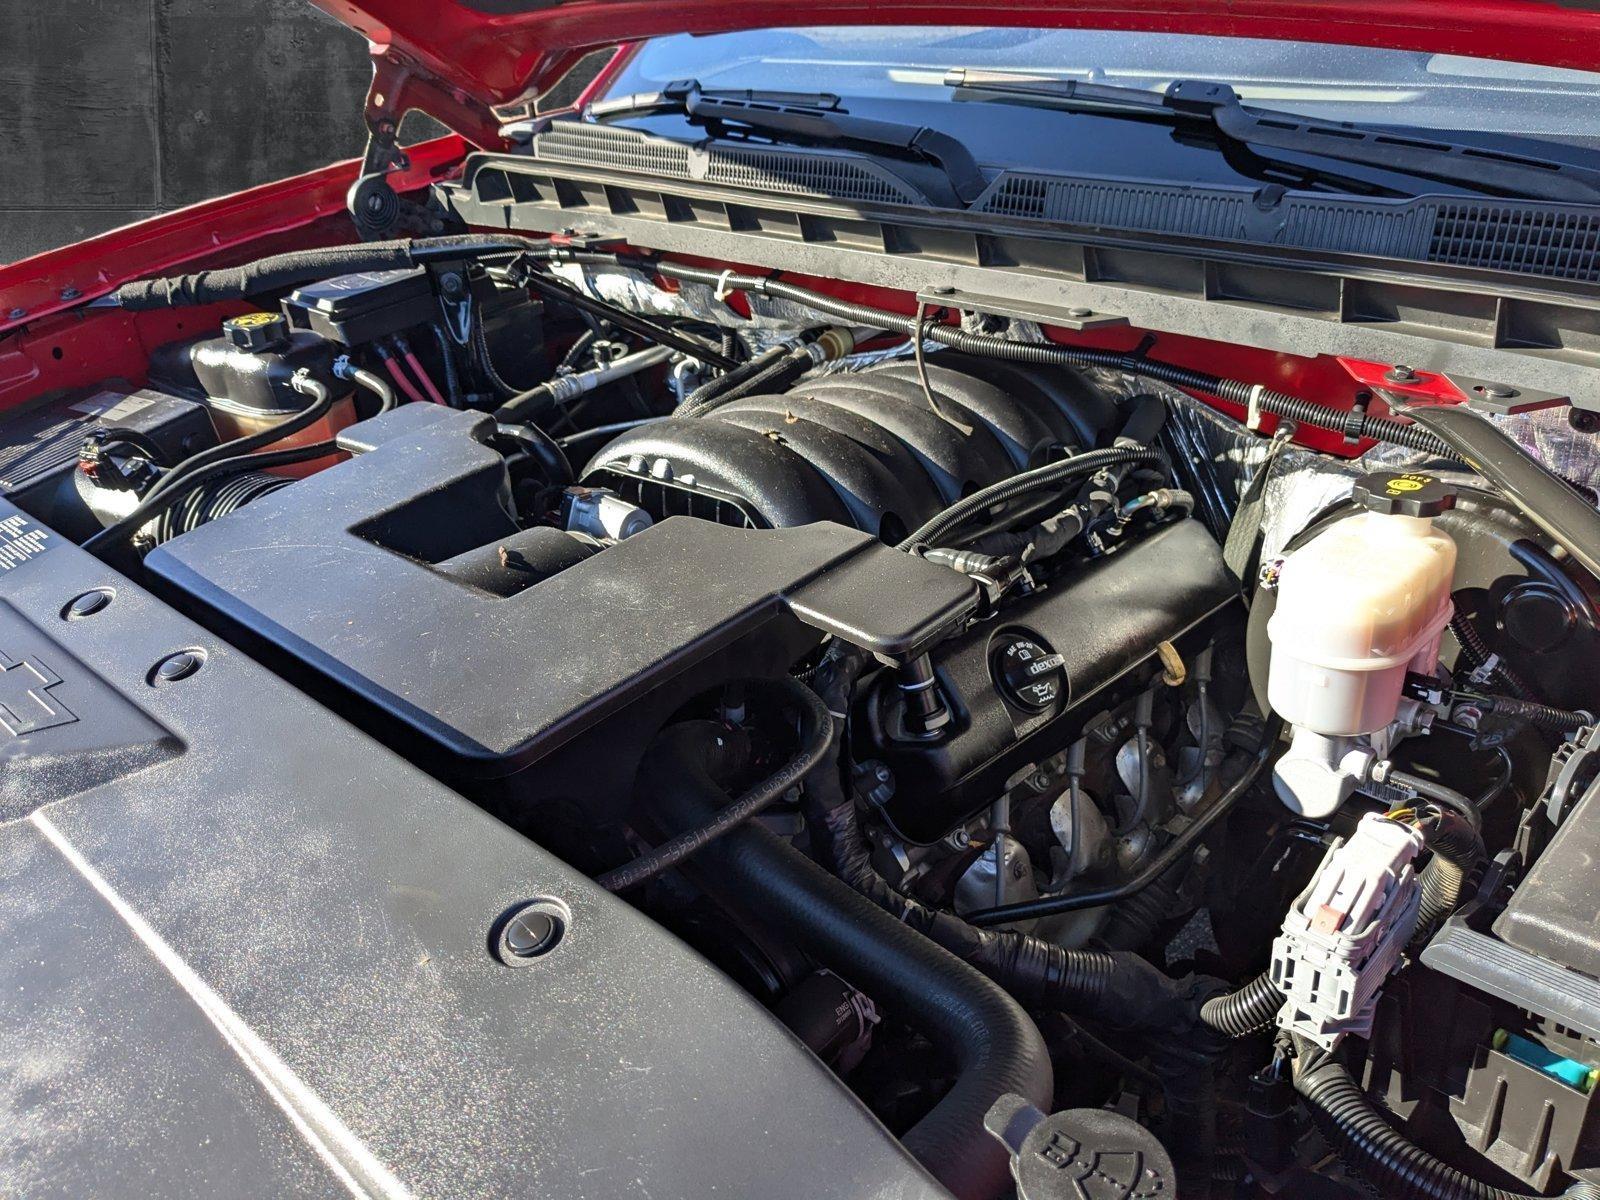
1521 169
806 118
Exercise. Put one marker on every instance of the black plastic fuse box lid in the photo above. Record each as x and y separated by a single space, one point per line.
357 308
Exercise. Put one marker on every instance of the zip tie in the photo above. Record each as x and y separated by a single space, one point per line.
1252 414
723 290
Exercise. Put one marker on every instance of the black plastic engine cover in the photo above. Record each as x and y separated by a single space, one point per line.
1105 621
344 573
245 951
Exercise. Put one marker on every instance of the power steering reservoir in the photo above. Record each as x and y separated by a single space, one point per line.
1358 606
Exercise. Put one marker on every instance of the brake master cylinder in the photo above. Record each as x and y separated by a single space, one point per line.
1359 605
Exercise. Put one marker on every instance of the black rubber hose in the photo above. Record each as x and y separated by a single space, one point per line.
543 449
816 733
994 1045
376 385
150 508
1398 1168
1277 403
933 531
321 403
304 266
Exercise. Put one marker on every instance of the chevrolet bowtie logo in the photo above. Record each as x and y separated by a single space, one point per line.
26 704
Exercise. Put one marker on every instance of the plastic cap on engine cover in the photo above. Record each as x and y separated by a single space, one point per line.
1404 494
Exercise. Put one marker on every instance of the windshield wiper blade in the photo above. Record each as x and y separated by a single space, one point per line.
805 118
1520 167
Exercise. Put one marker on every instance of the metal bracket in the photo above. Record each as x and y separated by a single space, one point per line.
1076 318
1414 387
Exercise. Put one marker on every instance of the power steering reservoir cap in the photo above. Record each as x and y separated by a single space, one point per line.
1028 673
1404 494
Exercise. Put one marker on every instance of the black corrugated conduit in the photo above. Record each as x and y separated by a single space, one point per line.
1383 1156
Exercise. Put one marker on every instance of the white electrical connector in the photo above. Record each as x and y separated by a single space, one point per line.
1344 934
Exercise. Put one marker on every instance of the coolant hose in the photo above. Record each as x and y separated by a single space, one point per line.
995 1046
1396 1167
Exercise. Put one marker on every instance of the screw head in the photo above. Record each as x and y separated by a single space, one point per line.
178 666
87 604
1080 312
1583 420
1400 373
16 314
70 293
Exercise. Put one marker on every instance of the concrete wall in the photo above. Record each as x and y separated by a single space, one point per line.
113 110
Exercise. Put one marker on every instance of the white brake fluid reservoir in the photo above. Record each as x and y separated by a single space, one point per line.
1358 606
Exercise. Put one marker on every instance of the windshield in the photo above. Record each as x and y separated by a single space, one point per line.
1342 83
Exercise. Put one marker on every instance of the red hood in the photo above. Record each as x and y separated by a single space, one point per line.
494 52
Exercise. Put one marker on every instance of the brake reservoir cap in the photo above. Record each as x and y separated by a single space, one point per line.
1404 494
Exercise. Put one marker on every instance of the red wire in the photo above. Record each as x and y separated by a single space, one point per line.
404 383
427 383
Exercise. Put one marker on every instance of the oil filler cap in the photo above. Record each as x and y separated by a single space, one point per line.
1404 494
1028 673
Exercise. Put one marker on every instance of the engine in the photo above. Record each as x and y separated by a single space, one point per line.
1042 745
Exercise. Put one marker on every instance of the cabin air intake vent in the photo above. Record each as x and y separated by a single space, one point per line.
1534 240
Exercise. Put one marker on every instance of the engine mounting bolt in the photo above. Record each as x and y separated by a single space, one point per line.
87 604
178 666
